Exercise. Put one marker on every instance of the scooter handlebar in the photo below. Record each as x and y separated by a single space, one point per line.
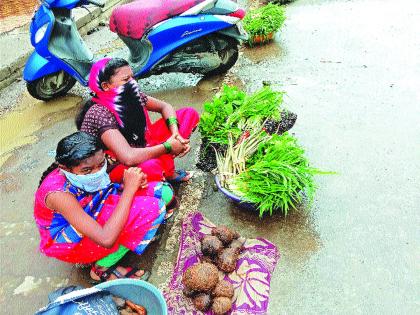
98 3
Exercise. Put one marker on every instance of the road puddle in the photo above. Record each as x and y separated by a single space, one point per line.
19 126
260 53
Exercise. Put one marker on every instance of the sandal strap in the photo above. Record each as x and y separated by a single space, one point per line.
118 274
131 272
144 277
104 275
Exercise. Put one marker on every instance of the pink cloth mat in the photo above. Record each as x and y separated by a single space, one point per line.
251 280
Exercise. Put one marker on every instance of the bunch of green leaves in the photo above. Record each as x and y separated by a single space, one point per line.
279 175
264 20
263 104
214 124
279 1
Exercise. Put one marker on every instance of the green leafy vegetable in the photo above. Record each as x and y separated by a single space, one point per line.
213 122
263 104
279 176
264 20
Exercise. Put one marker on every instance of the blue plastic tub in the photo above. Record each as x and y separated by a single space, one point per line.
236 199
139 292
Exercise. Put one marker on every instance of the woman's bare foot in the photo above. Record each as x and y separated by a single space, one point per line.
102 274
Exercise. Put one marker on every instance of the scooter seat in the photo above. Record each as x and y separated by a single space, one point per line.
133 19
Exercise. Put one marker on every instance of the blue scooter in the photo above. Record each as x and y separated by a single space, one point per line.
196 36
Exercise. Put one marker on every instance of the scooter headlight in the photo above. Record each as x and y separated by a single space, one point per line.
40 33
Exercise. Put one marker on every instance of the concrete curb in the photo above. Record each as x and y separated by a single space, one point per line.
19 41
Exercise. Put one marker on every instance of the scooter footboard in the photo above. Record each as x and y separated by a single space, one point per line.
37 66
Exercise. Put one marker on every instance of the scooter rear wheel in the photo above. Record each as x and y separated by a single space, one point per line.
51 86
228 55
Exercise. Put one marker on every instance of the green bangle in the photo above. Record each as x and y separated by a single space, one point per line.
171 121
167 146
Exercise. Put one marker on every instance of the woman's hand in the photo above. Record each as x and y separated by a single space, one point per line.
177 146
181 139
134 179
185 142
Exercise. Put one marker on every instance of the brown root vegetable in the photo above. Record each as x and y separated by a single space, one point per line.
221 305
208 259
126 311
188 292
238 244
211 245
227 260
224 234
201 277
138 309
202 302
223 288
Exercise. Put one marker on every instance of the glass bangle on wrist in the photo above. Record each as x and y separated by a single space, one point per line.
171 121
167 146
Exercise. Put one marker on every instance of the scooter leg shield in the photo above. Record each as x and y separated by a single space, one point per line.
37 67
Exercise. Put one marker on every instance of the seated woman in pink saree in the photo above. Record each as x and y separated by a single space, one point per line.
118 116
83 217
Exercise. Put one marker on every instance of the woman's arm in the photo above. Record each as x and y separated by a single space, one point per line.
165 109
115 141
106 235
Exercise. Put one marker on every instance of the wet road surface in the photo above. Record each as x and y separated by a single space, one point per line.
354 87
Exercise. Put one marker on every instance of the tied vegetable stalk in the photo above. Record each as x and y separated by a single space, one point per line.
234 161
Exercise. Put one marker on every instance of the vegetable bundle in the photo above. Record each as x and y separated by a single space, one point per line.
264 21
254 158
230 110
277 176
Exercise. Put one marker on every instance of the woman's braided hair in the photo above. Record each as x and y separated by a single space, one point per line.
73 149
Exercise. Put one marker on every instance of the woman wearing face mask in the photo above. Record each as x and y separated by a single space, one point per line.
82 217
118 115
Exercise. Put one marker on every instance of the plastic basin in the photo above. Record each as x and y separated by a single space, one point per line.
236 199
138 291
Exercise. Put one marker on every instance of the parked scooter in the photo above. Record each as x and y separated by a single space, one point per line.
196 36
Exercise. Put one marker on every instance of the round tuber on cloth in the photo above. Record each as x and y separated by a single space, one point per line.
211 245
238 244
223 288
188 292
208 259
227 260
224 234
202 302
201 277
221 305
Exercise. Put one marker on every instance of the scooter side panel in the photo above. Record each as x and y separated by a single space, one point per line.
42 16
178 31
37 67
68 4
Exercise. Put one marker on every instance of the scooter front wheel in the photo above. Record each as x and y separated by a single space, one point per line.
51 86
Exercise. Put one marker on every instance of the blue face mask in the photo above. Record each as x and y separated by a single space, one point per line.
90 182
